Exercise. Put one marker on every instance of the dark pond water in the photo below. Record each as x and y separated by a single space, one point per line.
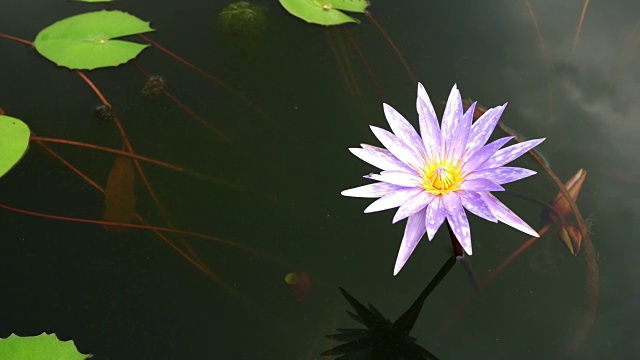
301 95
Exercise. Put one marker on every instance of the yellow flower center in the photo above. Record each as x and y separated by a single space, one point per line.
441 177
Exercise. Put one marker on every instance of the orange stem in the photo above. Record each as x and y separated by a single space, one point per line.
207 75
185 108
393 45
27 42
584 12
106 149
198 264
134 226
545 58
73 168
487 279
364 62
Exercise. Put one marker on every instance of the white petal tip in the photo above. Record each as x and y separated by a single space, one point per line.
528 230
397 268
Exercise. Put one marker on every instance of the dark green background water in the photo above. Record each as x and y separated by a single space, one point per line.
129 295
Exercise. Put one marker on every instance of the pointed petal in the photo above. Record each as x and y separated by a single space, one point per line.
508 154
429 128
473 202
458 220
392 200
501 175
397 147
462 133
371 190
436 213
450 118
413 232
378 157
401 178
403 129
482 129
413 205
505 215
478 159
480 185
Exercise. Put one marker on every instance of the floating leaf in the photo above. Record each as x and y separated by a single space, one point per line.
14 140
120 199
86 41
324 12
94 1
42 347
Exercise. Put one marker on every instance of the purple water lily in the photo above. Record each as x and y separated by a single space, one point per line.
436 176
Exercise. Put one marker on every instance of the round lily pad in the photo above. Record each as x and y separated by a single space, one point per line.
85 41
14 140
42 347
324 12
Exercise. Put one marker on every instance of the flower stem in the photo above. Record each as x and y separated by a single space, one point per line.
457 248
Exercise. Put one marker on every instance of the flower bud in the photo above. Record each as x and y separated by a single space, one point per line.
571 237
573 186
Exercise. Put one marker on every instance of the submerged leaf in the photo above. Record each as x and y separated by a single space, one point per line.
324 12
85 41
14 140
42 347
243 18
120 199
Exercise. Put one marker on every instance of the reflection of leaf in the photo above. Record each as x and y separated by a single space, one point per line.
41 347
120 200
324 12
85 41
14 140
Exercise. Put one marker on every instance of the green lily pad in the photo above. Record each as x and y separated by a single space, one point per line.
324 12
14 140
85 41
41 347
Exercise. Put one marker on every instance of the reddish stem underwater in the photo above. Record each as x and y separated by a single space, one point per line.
106 149
393 45
579 29
207 75
219 134
133 226
545 58
364 62
195 262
